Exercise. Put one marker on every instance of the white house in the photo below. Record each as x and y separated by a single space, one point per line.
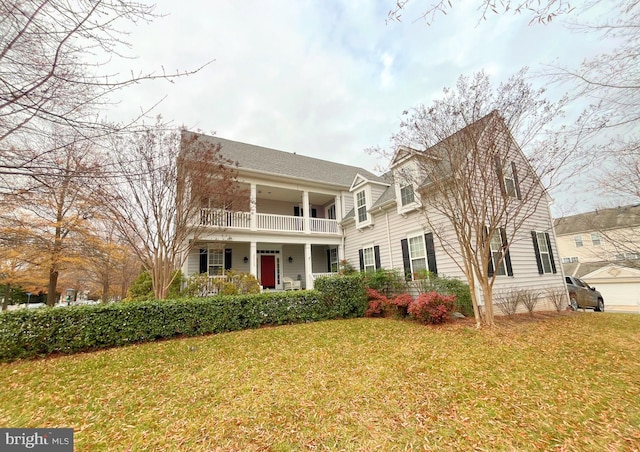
305 214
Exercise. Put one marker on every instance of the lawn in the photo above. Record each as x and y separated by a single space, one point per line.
568 382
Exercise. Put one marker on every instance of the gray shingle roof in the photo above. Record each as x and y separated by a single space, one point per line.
258 158
599 220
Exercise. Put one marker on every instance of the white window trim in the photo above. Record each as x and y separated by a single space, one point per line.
212 251
367 205
501 269
413 258
577 240
372 265
542 241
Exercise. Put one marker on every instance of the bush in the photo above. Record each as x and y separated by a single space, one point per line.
142 287
559 298
31 333
509 300
432 307
429 282
345 294
387 282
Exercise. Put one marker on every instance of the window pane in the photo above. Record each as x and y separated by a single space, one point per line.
578 240
416 247
369 259
595 238
418 265
546 262
406 195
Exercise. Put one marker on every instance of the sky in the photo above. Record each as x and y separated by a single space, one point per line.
328 78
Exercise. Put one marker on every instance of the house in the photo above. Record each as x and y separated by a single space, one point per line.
602 247
304 215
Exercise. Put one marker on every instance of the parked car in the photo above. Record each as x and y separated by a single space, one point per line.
581 295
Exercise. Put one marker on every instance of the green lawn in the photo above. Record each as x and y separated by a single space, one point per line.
560 383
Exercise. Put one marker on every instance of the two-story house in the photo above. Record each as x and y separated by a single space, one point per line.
304 215
602 247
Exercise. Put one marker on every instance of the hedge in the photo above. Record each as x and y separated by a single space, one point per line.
38 332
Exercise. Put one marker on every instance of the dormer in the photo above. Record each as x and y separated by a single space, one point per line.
406 180
365 192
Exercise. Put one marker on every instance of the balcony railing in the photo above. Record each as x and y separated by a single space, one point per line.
265 222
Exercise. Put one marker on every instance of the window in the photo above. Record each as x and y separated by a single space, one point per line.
632 256
508 178
543 249
368 259
333 260
578 240
361 204
331 212
510 181
595 239
406 195
216 262
497 262
568 260
417 254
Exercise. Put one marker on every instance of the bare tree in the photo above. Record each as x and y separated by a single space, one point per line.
156 201
54 59
539 11
477 191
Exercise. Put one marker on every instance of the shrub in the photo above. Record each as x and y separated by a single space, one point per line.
558 297
509 300
429 282
378 303
530 299
401 303
142 287
29 333
432 307
387 282
345 294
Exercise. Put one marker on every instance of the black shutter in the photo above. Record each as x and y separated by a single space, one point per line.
296 211
431 253
329 261
505 250
227 259
314 212
487 243
404 243
534 239
553 262
503 190
376 252
361 257
515 179
203 260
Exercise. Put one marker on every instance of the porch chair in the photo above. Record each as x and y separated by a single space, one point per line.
290 284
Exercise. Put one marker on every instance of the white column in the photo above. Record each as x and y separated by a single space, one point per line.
252 206
253 259
308 267
338 204
306 211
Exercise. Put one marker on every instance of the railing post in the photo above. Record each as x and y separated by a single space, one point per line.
253 207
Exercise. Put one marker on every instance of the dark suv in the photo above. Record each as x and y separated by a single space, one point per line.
581 295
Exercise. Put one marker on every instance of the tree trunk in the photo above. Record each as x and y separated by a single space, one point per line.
7 296
487 294
53 285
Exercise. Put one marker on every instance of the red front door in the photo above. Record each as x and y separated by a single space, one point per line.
268 271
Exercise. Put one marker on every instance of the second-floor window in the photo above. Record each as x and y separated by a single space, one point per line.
361 204
331 212
595 239
578 240
406 195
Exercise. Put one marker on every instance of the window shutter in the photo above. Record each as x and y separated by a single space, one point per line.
496 161
296 211
487 241
314 212
505 250
227 259
361 257
431 253
534 239
406 262
376 252
515 179
553 263
203 260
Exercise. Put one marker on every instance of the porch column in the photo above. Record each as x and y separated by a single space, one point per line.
305 211
308 267
253 259
252 207
338 204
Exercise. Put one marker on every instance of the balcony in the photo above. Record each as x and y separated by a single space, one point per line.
265 222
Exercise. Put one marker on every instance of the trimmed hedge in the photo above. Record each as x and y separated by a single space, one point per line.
346 295
38 332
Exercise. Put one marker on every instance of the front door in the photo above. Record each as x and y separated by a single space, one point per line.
268 271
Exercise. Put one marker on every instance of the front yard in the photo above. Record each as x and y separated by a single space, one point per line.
568 382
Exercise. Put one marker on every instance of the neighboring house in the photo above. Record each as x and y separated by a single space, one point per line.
602 247
305 215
